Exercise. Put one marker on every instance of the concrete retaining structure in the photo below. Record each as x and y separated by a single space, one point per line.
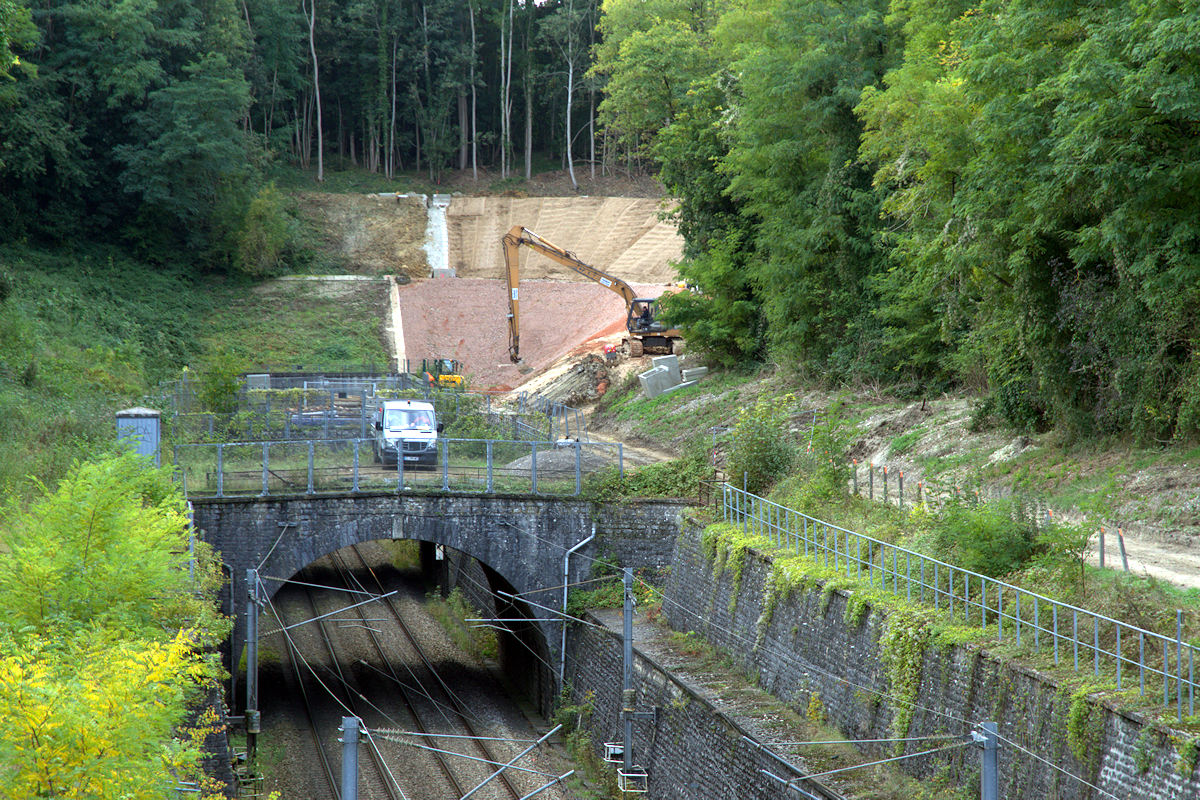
802 645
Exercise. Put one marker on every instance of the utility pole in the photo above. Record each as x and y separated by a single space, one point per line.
631 778
627 689
252 717
988 743
350 735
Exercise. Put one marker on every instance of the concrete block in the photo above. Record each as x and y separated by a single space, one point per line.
671 364
655 381
694 374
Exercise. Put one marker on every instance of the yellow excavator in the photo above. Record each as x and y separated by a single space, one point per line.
646 334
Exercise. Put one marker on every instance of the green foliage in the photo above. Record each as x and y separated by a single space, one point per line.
1085 726
678 477
1143 754
108 547
219 381
451 612
1189 754
106 637
761 447
268 232
902 650
1062 549
994 538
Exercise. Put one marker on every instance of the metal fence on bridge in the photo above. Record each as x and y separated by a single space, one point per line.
1119 652
327 466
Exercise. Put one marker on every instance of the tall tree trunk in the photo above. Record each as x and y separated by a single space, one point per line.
391 155
528 125
567 143
312 46
506 94
462 131
474 130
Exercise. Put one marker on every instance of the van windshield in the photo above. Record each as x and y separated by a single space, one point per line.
396 419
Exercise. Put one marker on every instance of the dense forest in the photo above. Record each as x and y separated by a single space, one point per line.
998 196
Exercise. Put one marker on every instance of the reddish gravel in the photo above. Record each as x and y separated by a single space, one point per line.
467 319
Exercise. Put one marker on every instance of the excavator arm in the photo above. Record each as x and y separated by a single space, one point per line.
518 237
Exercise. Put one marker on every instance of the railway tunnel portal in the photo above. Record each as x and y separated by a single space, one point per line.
521 542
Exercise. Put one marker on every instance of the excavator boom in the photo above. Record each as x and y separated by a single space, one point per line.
639 311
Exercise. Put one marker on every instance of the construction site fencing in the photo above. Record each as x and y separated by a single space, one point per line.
1113 651
312 413
564 421
323 466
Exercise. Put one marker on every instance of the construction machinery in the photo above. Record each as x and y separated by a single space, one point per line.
442 373
646 334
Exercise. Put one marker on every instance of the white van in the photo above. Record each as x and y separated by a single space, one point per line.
407 427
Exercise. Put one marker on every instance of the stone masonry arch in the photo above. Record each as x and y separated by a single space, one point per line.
523 540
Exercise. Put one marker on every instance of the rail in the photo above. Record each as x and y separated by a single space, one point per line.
1116 649
328 466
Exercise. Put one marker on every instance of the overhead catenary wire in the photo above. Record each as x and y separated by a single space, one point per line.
865 741
1054 766
789 658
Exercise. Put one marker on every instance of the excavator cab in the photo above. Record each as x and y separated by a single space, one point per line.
642 316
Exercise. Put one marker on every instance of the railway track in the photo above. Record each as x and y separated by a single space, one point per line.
335 679
433 678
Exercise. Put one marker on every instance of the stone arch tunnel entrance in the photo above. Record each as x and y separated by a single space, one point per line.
521 545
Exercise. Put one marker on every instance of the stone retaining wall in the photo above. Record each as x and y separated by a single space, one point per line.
807 647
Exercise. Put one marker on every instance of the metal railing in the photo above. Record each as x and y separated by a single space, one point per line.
327 466
1118 651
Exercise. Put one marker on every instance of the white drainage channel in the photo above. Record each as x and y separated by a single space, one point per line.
437 237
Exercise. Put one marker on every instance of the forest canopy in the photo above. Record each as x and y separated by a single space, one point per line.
998 196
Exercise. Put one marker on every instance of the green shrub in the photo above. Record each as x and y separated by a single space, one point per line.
678 477
762 449
266 233
993 539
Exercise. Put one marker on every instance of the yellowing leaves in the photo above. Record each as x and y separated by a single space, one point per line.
102 637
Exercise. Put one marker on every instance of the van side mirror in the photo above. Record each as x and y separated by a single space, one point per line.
440 427
378 425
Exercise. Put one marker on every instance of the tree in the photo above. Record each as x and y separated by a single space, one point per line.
561 31
792 166
16 31
105 619
191 148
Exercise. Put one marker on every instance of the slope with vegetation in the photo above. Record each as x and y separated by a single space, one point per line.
997 197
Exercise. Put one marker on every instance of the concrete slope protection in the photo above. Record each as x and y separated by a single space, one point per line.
466 317
620 235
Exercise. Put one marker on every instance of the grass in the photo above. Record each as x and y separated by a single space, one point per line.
479 642
302 323
88 329
679 415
